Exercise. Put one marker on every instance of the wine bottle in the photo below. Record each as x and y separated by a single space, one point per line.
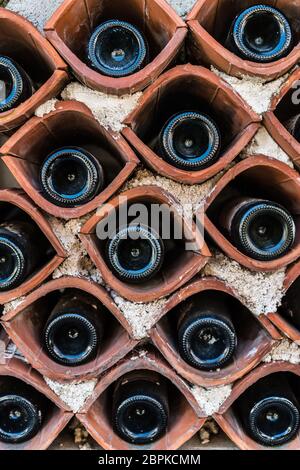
261 229
74 330
71 176
135 253
20 253
206 335
22 411
293 126
190 141
269 411
140 407
117 49
15 85
260 33
290 308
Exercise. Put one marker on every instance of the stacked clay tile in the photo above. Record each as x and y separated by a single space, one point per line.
60 53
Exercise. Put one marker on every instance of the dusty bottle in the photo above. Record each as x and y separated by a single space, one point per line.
15 85
71 176
140 407
135 253
206 335
269 411
74 330
261 229
260 33
117 49
22 410
20 253
190 141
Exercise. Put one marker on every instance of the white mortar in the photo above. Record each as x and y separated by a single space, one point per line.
261 292
109 110
13 304
46 108
36 11
262 143
73 394
78 262
254 90
211 399
141 317
182 7
284 351
187 195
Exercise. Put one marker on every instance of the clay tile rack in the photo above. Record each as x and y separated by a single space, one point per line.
58 414
263 177
291 280
25 324
209 22
38 58
72 24
69 123
173 274
228 419
186 417
282 108
17 198
175 91
255 336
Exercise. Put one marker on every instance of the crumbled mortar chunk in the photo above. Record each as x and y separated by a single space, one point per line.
141 317
261 292
264 144
254 90
208 431
85 446
12 351
193 196
182 7
109 110
139 353
2 351
46 108
286 350
36 11
81 437
212 398
13 304
73 394
67 231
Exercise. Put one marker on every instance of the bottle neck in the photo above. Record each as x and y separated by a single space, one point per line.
261 229
140 407
269 411
19 255
135 253
117 49
260 33
71 176
206 335
74 330
190 141
15 84
21 411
